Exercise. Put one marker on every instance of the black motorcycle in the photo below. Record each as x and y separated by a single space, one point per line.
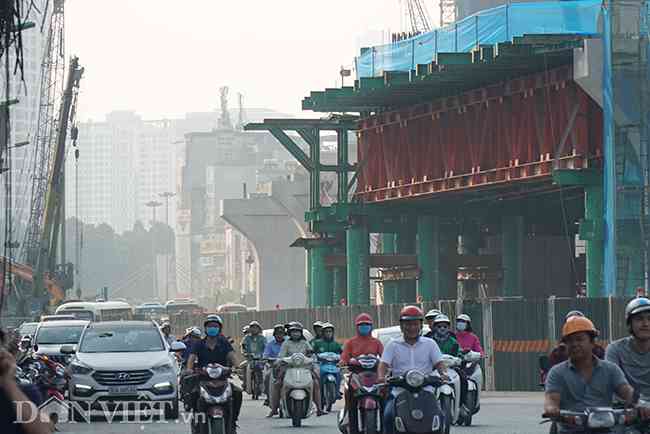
416 409
208 394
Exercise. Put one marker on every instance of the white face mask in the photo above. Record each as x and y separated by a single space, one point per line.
461 326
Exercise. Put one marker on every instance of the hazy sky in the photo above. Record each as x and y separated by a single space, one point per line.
163 58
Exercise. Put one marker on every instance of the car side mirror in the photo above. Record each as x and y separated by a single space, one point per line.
177 346
35 347
68 349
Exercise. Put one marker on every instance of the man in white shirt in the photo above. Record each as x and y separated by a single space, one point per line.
411 351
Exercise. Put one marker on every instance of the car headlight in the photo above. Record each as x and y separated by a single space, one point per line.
601 419
164 368
414 378
79 368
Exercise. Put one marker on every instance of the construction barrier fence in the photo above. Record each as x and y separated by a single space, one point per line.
514 331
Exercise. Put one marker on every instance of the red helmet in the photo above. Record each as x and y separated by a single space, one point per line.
410 313
363 318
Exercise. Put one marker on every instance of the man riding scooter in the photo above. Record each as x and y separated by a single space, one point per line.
252 348
325 345
295 344
271 352
409 352
317 326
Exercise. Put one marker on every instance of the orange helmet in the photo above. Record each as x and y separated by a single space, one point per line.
576 324
363 318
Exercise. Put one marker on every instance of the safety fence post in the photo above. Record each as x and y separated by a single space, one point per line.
488 338
550 312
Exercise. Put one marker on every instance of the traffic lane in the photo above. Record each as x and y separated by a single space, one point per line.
501 413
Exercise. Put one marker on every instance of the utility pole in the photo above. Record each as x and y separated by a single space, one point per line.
167 195
153 204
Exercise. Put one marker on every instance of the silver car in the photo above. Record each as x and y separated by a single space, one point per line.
120 362
52 335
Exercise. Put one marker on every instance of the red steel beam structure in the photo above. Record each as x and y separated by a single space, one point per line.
519 130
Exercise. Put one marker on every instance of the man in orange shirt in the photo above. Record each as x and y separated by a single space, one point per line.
363 342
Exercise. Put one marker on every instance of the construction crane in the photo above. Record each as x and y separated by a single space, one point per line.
416 15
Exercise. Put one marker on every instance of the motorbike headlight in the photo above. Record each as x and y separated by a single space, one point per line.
297 359
163 368
214 372
414 378
601 419
212 399
80 369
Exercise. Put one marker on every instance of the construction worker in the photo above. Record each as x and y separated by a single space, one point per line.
583 381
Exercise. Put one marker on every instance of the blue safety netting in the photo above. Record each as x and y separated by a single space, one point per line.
490 26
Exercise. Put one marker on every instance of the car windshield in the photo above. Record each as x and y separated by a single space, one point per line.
121 340
28 329
59 335
85 315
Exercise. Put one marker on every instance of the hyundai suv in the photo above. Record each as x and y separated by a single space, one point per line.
123 361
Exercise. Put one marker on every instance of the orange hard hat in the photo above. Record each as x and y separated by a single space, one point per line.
576 324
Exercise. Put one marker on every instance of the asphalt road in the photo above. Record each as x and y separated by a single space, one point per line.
501 413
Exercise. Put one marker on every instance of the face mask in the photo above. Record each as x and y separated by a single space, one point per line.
295 335
461 326
365 329
441 332
212 331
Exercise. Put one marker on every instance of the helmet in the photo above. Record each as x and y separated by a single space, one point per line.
635 306
442 318
573 313
279 327
410 313
464 317
254 323
328 325
295 325
213 318
195 332
363 318
432 314
577 324
165 324
317 324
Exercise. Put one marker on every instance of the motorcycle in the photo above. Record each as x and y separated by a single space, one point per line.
470 372
51 378
448 393
214 409
363 412
255 374
329 375
297 388
416 407
598 420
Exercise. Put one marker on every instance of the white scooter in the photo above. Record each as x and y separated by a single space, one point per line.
448 394
297 389
474 376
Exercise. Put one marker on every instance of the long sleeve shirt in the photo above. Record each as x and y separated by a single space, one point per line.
359 345
469 341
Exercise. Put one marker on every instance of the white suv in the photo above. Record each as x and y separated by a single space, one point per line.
123 361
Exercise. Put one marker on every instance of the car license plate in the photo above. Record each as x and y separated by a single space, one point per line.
122 390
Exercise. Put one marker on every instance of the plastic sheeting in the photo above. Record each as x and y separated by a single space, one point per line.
486 27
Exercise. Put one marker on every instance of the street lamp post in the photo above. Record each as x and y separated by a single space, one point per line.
167 195
153 204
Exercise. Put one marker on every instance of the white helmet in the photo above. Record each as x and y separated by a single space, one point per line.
441 318
432 314
464 317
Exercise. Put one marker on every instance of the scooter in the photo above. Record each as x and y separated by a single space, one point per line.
214 410
297 389
470 372
416 407
363 412
329 375
598 420
448 393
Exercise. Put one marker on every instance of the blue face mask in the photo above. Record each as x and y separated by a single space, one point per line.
212 331
461 326
365 329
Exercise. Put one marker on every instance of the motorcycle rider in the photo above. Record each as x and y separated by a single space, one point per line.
252 345
467 340
317 326
295 344
430 316
361 344
215 348
327 344
410 351
583 380
632 353
166 329
193 336
441 333
271 351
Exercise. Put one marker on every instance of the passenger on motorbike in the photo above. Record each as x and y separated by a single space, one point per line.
252 346
215 348
295 344
166 329
441 333
583 381
271 351
362 344
410 351
632 353
193 336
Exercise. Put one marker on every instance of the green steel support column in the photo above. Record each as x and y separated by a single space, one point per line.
469 245
390 286
426 243
358 263
445 241
321 277
512 248
339 276
310 293
594 212
342 161
314 175
405 244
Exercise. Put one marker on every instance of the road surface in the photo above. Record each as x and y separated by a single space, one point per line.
501 413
